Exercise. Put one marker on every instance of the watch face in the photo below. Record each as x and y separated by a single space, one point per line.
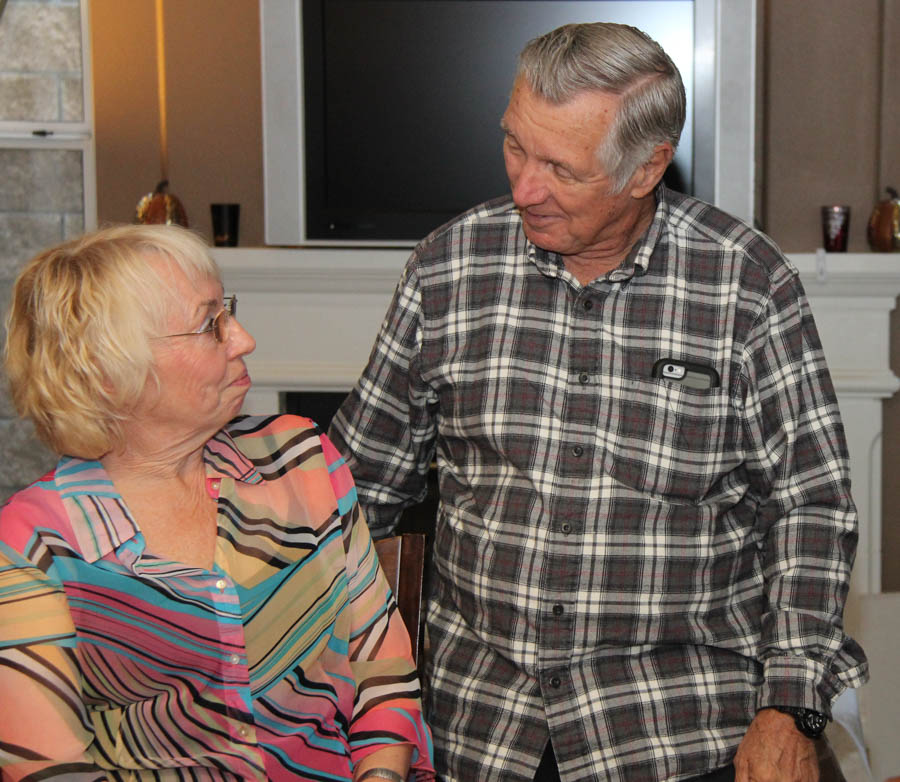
814 722
810 723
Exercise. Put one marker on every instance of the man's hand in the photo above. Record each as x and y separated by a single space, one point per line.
773 750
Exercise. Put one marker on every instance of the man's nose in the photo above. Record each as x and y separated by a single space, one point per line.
529 185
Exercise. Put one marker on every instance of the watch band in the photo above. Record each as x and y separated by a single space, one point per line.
810 723
381 773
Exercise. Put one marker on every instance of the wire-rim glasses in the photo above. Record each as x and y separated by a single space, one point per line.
219 325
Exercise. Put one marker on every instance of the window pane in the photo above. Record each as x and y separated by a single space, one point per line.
40 62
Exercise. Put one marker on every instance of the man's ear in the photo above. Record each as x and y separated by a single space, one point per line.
647 175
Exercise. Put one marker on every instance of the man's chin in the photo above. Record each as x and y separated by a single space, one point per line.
545 239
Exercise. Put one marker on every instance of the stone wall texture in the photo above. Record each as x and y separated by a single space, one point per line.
41 189
40 61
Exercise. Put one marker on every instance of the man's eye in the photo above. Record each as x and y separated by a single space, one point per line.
207 325
512 146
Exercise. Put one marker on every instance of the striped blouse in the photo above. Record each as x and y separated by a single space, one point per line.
288 660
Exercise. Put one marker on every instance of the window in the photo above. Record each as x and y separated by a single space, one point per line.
48 190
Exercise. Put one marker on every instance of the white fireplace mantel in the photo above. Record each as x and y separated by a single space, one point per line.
315 311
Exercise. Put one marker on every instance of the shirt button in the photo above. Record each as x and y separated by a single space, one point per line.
557 610
583 378
234 659
243 731
566 527
578 450
216 484
555 681
588 305
220 584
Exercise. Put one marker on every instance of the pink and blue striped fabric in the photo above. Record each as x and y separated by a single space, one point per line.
287 660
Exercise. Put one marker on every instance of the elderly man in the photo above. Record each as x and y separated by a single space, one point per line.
645 531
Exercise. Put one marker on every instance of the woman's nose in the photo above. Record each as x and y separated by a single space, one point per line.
240 341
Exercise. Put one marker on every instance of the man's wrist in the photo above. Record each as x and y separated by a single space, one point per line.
809 722
381 773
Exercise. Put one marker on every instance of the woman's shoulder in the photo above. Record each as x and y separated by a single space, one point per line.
250 427
31 511
281 440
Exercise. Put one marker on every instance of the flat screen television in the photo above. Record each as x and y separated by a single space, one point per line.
381 117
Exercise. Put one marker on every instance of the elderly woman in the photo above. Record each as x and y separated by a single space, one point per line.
189 594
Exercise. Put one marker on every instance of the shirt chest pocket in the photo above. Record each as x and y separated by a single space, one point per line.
669 440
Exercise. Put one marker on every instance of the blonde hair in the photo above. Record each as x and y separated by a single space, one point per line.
78 352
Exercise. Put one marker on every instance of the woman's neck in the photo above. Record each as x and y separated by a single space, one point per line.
165 492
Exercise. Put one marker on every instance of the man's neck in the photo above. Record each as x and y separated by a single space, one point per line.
597 261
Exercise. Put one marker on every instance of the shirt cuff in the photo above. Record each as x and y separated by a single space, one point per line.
789 680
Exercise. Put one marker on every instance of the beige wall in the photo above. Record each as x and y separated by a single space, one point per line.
830 123
213 105
821 116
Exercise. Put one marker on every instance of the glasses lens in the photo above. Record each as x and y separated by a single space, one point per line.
219 324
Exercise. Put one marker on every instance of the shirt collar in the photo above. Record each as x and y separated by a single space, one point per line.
98 515
101 522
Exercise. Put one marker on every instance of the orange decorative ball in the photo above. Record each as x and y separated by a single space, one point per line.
161 208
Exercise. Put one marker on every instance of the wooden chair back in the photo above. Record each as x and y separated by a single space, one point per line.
402 559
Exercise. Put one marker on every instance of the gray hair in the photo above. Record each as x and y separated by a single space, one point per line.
616 59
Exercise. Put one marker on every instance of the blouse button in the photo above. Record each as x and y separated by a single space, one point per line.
234 659
220 584
243 731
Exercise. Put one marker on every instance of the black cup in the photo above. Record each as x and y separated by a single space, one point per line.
225 218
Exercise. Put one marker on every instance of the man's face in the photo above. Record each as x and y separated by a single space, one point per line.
562 191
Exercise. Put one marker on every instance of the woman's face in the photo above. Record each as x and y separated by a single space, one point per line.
202 382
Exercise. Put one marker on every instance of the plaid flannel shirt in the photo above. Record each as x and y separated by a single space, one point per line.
625 564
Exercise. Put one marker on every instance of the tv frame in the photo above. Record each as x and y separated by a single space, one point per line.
725 98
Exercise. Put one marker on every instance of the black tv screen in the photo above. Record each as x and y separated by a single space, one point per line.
403 100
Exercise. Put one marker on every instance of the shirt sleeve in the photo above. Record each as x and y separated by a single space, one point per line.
43 724
388 707
806 519
386 427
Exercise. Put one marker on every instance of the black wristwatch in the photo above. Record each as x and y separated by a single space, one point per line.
810 723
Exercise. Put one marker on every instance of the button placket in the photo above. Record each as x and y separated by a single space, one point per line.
233 667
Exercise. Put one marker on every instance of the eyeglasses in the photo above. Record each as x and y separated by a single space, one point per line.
219 324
